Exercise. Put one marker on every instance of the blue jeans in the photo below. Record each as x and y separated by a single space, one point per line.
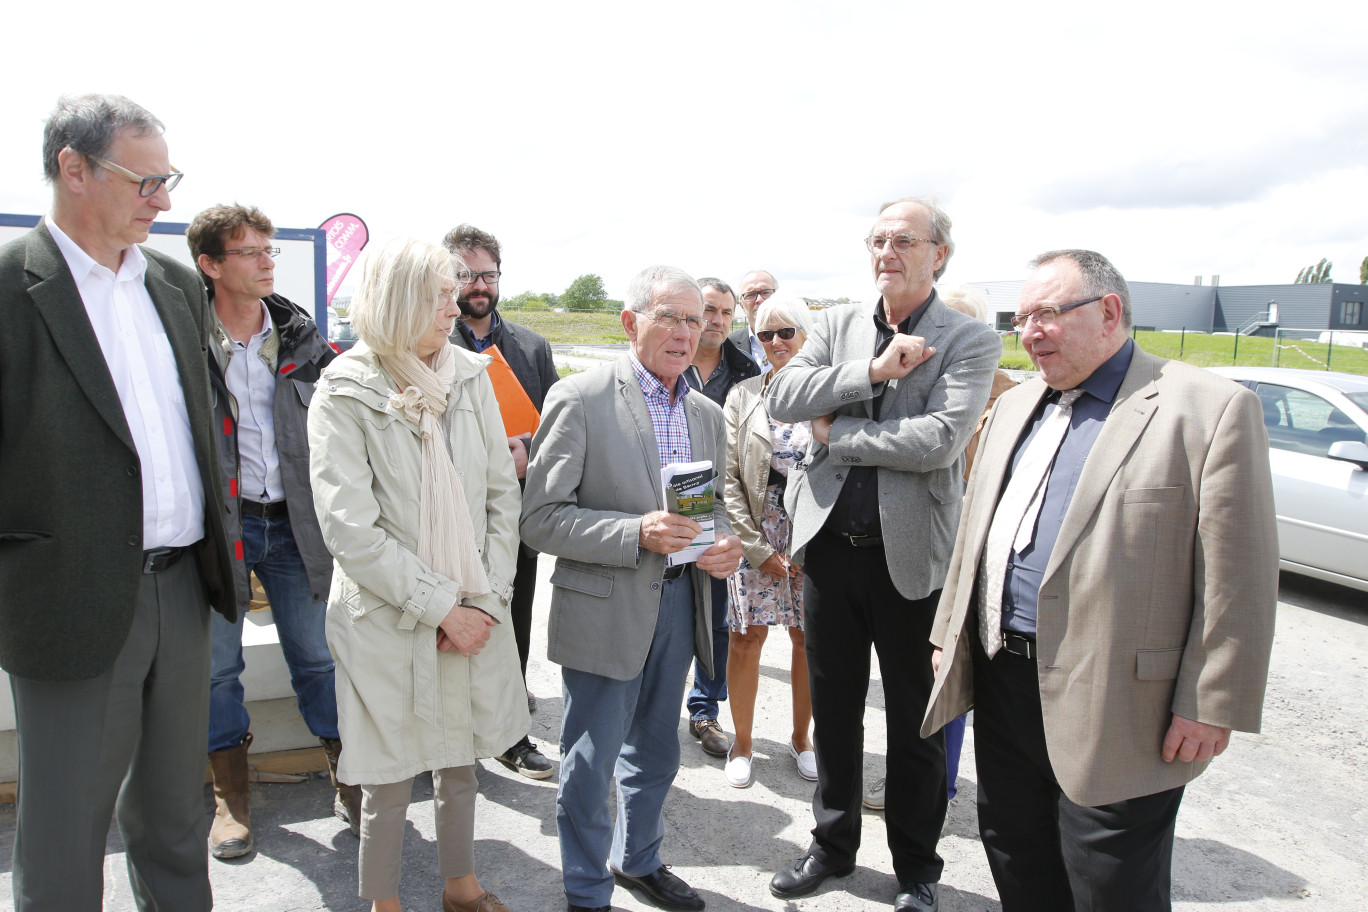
628 729
706 691
269 549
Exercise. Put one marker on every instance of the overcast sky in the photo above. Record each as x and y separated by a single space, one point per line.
1177 138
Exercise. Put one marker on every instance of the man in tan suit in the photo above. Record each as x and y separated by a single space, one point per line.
1129 621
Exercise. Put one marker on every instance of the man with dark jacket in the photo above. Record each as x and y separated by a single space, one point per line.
266 354
112 540
529 356
718 365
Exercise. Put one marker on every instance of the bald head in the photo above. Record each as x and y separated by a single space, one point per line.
755 286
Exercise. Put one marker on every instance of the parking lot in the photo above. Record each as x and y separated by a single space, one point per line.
1280 818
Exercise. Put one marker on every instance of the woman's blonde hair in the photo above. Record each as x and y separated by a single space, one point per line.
396 301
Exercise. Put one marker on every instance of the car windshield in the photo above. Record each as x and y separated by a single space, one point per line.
1359 399
343 332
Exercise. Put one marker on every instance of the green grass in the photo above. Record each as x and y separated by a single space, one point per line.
605 327
593 327
1221 351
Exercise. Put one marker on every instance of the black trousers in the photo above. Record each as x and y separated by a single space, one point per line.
520 607
849 603
1047 853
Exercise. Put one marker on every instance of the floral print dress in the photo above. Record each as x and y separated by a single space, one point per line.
755 596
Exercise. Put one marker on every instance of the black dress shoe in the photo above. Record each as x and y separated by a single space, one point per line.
805 875
663 888
916 897
571 907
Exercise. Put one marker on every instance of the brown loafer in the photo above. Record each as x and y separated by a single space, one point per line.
486 903
711 737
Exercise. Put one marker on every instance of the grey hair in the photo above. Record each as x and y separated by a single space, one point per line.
88 125
967 300
718 284
1100 277
940 225
773 280
658 281
788 311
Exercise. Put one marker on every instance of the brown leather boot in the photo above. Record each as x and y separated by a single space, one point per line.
231 834
347 804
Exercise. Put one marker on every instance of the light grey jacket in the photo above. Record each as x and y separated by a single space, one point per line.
386 603
594 472
918 444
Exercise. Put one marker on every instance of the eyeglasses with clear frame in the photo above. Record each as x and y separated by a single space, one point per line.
146 185
249 252
901 242
668 319
783 332
445 297
1044 316
759 294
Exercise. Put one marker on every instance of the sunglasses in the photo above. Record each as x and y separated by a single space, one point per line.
785 333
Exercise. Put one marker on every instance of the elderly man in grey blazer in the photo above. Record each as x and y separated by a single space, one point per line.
625 626
1110 639
893 392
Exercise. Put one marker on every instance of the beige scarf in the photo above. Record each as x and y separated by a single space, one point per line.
446 538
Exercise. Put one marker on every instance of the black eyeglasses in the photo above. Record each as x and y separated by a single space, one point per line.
783 332
1044 316
761 294
468 278
271 252
146 185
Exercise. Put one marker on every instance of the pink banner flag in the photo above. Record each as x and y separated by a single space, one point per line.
346 236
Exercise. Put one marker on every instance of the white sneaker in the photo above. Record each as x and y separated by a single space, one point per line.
738 771
807 762
874 798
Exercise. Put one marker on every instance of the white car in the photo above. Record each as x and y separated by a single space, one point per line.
1318 448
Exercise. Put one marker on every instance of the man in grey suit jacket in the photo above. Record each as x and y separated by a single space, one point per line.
1134 622
624 626
112 544
893 393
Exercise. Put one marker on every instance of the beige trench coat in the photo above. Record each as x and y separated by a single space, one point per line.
385 604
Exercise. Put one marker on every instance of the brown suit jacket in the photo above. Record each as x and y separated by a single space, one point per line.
1160 594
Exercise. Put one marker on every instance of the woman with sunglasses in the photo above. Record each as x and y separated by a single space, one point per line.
767 590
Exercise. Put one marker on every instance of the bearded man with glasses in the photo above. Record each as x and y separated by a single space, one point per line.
113 544
624 626
893 393
528 354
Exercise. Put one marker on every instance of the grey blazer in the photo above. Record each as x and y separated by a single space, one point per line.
594 472
918 444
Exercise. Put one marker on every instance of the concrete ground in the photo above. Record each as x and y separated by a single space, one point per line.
1279 819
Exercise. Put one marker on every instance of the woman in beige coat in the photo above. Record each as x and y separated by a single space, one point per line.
419 503
767 590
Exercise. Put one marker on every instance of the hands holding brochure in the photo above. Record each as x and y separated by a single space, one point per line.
685 532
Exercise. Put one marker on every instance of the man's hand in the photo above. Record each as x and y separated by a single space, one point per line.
722 559
935 660
821 429
903 353
464 630
1188 740
517 448
666 533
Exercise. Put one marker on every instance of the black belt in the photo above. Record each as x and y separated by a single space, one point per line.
1019 644
159 559
274 509
861 541
674 572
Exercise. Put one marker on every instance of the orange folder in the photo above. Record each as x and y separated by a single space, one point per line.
519 414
